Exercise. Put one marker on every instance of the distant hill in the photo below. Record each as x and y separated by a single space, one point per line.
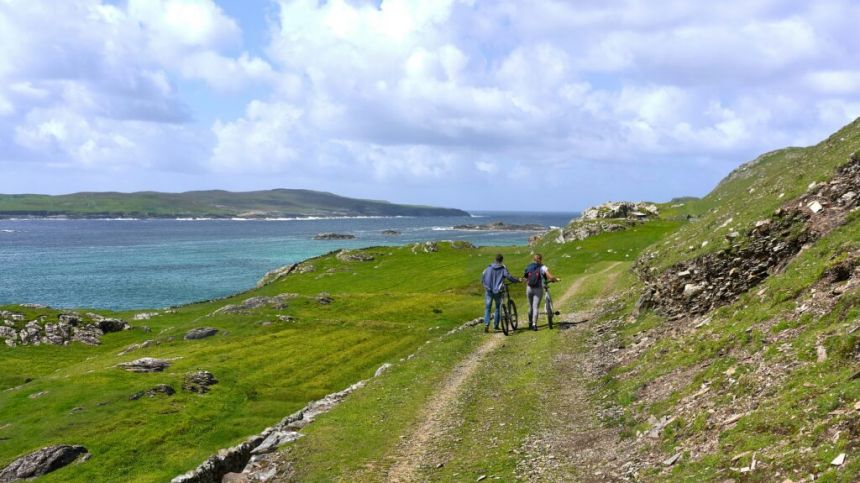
209 204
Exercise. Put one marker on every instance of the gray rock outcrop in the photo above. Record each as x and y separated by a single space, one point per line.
41 462
277 302
145 364
621 209
199 381
112 325
200 333
353 256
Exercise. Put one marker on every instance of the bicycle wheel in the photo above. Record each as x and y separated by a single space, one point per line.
549 311
512 310
505 319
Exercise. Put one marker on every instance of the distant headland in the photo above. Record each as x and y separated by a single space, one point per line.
276 203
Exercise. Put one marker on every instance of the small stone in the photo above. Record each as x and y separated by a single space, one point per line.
672 459
482 478
159 389
815 207
839 460
324 298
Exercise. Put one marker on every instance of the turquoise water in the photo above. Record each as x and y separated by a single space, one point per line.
136 264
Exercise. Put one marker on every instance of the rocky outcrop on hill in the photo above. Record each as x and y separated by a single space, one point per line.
334 236
41 462
281 272
145 364
707 282
621 209
276 302
200 333
199 381
69 327
501 226
354 256
165 389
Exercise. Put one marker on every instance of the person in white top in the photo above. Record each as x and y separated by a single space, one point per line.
537 275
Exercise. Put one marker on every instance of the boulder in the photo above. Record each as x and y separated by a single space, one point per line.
145 364
165 389
41 462
199 381
277 302
112 325
31 334
57 334
71 319
200 333
9 335
88 334
324 298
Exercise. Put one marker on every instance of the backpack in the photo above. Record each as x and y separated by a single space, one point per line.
534 275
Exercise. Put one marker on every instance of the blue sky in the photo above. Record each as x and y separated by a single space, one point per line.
539 105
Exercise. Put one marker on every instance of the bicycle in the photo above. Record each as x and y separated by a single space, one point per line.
509 310
548 305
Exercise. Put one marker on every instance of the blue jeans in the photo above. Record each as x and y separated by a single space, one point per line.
488 302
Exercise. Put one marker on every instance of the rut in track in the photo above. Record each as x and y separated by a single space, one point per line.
416 450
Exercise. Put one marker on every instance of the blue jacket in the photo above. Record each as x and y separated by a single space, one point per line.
494 276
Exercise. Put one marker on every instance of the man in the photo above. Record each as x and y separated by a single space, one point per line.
493 278
537 275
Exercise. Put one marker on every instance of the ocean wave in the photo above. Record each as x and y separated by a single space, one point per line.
442 228
8 231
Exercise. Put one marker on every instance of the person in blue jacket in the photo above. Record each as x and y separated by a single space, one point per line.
493 278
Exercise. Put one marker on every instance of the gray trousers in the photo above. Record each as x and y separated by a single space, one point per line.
534 295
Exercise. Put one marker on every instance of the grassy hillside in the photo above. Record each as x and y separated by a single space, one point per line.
752 192
216 204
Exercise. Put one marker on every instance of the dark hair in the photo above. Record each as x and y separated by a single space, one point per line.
499 258
538 255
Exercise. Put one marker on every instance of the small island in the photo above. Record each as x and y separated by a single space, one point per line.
501 226
334 236
390 233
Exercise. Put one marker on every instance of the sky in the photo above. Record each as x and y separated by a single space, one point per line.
496 105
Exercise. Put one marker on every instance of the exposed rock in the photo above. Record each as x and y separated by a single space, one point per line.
9 335
71 319
145 364
382 369
88 334
41 462
58 334
426 247
165 389
226 461
712 280
621 209
390 233
112 325
334 236
324 298
31 334
200 333
353 256
277 302
199 381
501 226
286 318
144 315
134 347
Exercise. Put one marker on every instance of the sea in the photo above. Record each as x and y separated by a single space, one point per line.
152 263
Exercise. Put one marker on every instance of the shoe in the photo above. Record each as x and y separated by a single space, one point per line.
495 327
486 328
